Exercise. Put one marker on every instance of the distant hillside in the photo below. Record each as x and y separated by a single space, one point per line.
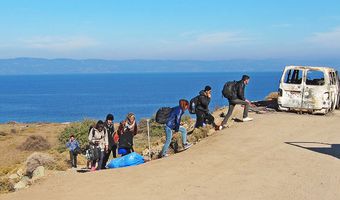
72 66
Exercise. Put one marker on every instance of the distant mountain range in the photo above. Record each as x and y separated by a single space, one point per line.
22 66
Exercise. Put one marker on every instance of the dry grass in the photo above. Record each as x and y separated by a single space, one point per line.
9 143
199 133
6 185
272 96
35 143
39 159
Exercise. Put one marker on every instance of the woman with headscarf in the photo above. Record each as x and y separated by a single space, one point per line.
126 131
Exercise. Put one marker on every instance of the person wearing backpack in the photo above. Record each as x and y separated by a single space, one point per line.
98 138
74 147
173 123
112 147
126 131
236 96
203 115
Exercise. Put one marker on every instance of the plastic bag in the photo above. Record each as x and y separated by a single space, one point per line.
125 161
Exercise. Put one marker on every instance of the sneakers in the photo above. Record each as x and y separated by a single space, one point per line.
247 119
187 145
93 169
163 156
218 128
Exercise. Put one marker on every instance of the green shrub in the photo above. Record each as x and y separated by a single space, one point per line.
156 129
80 130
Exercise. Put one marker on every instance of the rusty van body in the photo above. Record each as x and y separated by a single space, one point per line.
309 89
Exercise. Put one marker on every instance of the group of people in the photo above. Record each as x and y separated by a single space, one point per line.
104 139
203 116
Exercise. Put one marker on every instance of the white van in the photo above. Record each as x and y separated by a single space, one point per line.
309 89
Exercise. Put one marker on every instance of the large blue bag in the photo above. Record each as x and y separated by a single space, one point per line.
125 161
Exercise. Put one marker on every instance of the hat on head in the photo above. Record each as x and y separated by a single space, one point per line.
207 88
109 117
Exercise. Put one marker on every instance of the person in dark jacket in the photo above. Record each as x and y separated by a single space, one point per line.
238 98
126 131
203 115
110 131
174 124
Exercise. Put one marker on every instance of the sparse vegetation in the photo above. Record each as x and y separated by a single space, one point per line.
199 133
3 133
272 96
35 143
80 130
39 159
6 185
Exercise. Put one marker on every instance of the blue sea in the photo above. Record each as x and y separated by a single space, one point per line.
65 98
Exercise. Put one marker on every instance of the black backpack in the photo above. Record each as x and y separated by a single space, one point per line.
193 104
163 114
229 90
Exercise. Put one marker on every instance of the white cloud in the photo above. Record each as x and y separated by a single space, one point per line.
220 38
57 43
330 39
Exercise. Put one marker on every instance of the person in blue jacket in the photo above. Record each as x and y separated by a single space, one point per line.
73 146
174 124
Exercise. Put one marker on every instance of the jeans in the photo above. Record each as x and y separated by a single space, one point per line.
100 161
168 133
73 158
107 155
232 104
202 117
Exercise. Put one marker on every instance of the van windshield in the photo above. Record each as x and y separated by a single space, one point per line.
315 77
293 76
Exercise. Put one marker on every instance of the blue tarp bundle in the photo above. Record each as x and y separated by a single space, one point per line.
125 161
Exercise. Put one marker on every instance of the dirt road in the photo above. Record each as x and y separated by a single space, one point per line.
277 156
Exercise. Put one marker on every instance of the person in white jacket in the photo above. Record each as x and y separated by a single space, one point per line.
98 139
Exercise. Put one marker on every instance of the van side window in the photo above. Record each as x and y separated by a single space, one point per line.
334 78
331 78
315 77
293 76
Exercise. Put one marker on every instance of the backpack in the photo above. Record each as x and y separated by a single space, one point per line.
93 131
163 114
93 153
229 90
193 104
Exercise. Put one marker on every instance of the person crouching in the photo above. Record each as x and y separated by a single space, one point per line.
174 124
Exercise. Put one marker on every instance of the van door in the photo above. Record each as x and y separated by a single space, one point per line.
314 90
292 88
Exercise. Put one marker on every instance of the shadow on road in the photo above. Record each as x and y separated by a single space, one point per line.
319 147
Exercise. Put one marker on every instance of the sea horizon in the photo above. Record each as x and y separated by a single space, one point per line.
68 98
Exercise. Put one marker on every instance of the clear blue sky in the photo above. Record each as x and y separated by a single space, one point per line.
170 29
